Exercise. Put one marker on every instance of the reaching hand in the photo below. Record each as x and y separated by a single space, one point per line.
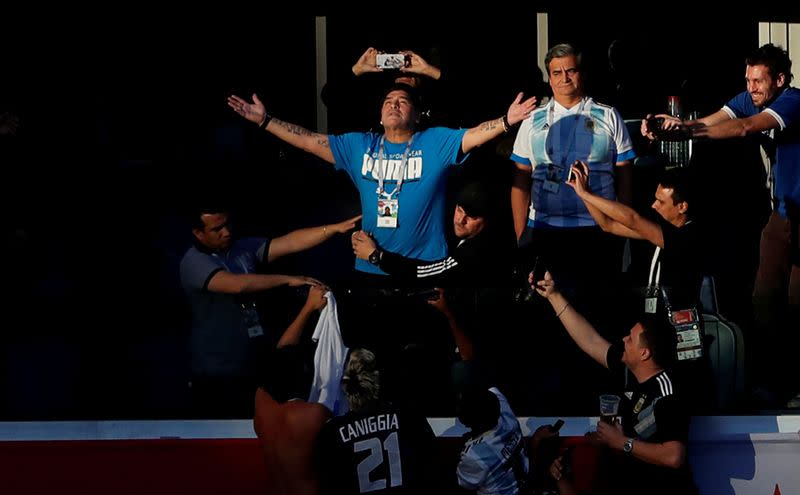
346 225
670 125
580 177
366 62
297 281
254 112
545 287
316 299
520 110
363 244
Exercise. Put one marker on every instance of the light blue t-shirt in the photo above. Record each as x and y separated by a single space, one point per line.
421 215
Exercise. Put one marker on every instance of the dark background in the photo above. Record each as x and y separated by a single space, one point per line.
123 123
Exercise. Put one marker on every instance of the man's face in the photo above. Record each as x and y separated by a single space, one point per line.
665 205
565 77
398 111
632 346
465 226
216 234
761 85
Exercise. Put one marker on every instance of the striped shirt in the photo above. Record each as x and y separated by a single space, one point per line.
551 139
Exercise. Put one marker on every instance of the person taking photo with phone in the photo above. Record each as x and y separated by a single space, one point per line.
653 435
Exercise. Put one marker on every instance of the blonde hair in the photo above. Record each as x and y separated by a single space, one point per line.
360 381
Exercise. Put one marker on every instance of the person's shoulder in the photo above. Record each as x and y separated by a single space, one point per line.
192 256
789 93
607 110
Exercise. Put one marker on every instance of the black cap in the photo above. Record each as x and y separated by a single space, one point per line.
474 199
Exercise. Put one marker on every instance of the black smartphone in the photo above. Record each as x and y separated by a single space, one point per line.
655 124
555 427
538 269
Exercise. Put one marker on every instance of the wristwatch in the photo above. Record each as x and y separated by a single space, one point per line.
628 446
375 257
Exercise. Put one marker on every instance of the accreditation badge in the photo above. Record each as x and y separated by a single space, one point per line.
552 182
387 212
651 299
250 315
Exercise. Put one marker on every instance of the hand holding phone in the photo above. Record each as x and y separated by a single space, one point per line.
538 270
555 427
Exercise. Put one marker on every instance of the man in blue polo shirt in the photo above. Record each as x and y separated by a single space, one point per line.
769 107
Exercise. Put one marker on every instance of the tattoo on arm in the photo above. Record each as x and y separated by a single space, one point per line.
292 128
323 141
488 126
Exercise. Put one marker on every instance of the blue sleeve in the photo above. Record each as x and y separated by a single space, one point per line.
450 144
787 106
348 150
197 269
741 105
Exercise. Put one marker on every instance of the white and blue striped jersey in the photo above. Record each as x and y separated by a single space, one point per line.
552 138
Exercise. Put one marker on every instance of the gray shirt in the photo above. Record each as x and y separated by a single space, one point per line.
220 342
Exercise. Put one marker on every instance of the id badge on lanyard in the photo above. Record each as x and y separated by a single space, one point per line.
653 291
250 315
389 203
387 212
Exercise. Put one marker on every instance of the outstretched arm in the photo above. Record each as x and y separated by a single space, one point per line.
674 124
242 283
490 129
299 137
613 216
302 239
760 122
581 331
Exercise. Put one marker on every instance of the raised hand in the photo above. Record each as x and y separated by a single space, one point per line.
316 299
520 110
254 112
366 62
418 65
